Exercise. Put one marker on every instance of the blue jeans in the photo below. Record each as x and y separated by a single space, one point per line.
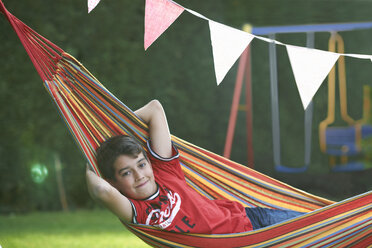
261 217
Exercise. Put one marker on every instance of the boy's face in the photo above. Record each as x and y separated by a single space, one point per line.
134 177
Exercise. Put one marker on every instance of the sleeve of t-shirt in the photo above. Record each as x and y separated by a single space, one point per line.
163 166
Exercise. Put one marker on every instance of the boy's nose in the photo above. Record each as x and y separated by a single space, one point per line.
138 175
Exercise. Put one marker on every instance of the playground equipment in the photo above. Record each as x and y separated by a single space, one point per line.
343 141
275 114
245 71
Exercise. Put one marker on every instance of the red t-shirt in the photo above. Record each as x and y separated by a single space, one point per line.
179 208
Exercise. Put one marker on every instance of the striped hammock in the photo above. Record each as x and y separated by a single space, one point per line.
93 114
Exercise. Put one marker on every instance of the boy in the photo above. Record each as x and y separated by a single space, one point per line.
151 189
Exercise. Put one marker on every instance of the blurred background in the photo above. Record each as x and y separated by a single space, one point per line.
39 156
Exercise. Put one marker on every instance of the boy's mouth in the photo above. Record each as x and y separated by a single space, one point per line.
142 184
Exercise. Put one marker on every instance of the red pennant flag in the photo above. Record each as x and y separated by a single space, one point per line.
159 15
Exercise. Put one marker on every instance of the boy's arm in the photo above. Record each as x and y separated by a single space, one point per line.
110 197
154 116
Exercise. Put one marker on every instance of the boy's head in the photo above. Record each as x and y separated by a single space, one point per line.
124 164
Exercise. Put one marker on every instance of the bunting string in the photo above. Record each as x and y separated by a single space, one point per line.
310 66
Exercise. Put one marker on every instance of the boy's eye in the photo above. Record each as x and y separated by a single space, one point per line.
127 173
142 165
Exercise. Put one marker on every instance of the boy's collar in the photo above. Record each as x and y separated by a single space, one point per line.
153 196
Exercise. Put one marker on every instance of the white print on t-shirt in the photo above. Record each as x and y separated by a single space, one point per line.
165 217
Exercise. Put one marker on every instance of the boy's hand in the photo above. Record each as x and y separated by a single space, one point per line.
100 190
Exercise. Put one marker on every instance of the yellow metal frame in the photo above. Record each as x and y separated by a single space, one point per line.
336 44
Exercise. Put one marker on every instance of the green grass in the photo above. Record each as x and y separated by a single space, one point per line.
97 228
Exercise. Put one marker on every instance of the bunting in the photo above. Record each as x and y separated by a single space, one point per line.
310 66
159 15
92 4
227 46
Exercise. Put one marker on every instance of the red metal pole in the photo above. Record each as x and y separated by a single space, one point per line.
248 99
235 104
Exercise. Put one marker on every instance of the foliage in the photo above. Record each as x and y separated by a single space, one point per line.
177 69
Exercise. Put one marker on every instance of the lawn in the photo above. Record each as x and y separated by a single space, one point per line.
97 228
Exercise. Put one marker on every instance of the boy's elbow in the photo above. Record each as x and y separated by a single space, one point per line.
156 105
156 109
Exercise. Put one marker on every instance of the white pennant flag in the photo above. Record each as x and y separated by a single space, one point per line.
227 45
92 4
310 68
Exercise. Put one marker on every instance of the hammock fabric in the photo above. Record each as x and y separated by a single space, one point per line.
93 114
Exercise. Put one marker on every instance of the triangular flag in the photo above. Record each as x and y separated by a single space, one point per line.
227 45
159 15
310 68
92 4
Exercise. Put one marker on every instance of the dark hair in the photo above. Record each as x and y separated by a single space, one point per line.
111 149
